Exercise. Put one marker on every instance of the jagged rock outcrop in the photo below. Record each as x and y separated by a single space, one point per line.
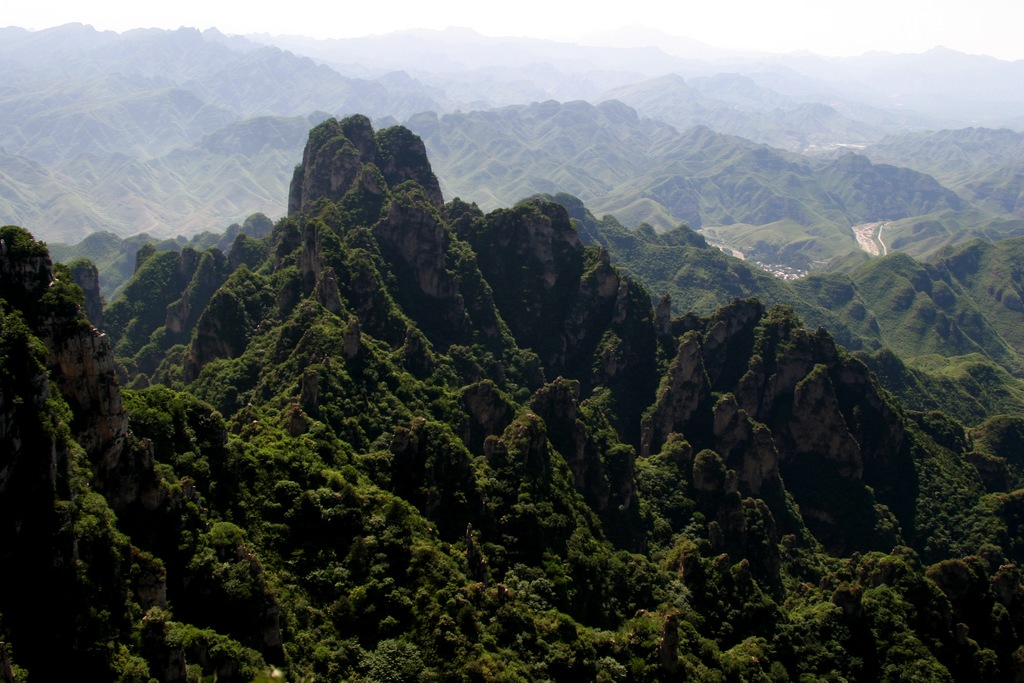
352 339
522 448
567 303
684 391
338 155
83 366
775 399
558 405
87 276
80 361
668 646
326 291
204 274
488 413
746 445
220 333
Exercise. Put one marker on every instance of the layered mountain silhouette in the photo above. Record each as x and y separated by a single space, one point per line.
126 132
772 205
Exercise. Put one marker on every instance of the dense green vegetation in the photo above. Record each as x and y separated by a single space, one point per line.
942 334
395 440
116 258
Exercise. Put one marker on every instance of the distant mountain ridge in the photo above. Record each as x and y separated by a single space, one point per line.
774 205
734 104
984 166
119 145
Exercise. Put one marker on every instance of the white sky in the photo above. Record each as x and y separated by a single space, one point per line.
993 27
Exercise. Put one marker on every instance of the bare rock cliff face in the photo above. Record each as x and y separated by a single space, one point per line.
488 413
331 162
80 361
83 366
87 276
416 234
776 400
684 392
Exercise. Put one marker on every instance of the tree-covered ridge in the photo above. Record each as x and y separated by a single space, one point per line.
942 334
406 440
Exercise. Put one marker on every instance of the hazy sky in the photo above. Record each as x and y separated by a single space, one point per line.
824 26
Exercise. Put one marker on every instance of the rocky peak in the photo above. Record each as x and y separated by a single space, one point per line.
87 277
557 403
25 268
681 397
339 156
488 412
402 156
331 162
728 341
771 398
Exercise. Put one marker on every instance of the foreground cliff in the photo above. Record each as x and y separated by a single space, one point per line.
398 439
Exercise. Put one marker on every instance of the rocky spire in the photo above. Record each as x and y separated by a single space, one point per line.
338 155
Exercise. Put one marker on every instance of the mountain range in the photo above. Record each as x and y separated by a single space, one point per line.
129 132
773 205
393 437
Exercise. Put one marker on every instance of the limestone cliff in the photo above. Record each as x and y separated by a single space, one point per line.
79 361
567 303
87 276
776 400
338 155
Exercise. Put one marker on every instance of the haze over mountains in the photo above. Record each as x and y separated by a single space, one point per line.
389 437
176 132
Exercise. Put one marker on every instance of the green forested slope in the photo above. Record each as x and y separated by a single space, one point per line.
407 440
953 320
